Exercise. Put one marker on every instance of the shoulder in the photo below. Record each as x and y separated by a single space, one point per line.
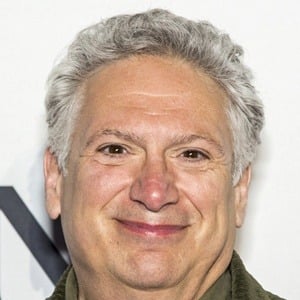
244 286
60 289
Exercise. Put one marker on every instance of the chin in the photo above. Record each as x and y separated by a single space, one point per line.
151 271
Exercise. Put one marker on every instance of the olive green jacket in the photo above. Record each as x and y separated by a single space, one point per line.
243 285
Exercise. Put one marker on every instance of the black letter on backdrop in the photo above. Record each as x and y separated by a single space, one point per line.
31 233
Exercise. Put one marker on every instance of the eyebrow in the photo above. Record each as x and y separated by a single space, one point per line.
176 140
186 139
117 133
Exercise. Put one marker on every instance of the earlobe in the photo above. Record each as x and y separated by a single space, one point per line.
241 196
53 180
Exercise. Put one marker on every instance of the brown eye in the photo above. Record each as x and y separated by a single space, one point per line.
113 149
194 155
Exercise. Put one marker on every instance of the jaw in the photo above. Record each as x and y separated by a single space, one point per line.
149 273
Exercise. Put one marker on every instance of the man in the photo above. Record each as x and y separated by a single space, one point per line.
153 125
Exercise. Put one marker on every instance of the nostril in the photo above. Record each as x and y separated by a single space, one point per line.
153 194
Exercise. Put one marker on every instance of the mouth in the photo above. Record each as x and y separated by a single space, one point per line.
156 230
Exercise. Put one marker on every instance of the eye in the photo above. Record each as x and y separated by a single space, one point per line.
112 149
194 155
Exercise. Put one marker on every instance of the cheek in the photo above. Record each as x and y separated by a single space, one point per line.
85 205
209 193
99 185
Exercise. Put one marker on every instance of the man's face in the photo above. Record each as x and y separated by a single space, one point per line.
148 199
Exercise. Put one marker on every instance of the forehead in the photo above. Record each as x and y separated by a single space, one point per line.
145 90
155 78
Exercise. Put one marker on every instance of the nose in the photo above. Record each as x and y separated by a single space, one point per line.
154 187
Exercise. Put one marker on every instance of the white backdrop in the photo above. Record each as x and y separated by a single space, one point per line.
34 32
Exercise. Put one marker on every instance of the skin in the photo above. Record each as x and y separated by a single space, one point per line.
148 208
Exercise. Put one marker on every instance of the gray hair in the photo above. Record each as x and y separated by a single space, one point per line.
161 33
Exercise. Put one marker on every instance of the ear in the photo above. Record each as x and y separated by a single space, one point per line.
241 196
53 180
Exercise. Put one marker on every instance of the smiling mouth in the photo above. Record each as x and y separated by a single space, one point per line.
151 230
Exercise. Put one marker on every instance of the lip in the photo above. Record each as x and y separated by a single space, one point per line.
162 230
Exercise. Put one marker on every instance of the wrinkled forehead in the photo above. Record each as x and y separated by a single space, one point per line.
151 88
157 77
